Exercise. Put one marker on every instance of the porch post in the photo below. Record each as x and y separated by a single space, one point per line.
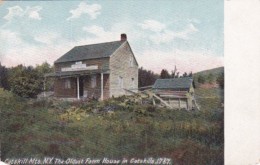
78 87
102 92
179 103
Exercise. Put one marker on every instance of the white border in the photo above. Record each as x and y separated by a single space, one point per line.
242 82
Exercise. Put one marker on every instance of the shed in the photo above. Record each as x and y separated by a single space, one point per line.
178 92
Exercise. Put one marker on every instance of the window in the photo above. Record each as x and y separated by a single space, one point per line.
93 81
67 84
120 82
131 62
133 82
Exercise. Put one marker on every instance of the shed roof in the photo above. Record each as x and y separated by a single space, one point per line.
173 83
93 51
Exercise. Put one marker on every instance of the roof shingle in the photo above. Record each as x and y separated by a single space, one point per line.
173 83
93 51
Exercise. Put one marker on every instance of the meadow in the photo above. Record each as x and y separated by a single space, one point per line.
113 129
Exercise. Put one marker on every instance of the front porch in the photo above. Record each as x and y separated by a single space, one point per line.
81 84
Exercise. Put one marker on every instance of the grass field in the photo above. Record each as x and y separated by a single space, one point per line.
31 128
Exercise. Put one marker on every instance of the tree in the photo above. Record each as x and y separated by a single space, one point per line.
146 77
185 74
42 70
221 80
164 74
190 74
25 81
4 77
173 74
177 75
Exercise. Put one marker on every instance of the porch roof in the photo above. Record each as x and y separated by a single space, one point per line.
76 73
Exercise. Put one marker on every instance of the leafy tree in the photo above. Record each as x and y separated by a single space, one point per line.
4 77
146 77
25 81
29 81
185 74
42 70
164 74
221 80
190 74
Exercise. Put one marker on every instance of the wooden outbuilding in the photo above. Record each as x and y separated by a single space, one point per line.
177 92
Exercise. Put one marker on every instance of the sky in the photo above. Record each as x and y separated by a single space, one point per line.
162 34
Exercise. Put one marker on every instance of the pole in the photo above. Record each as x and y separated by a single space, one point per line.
102 92
179 103
78 87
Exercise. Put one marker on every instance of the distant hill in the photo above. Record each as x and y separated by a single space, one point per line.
209 78
215 71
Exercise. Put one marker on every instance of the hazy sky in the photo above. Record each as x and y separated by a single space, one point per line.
162 34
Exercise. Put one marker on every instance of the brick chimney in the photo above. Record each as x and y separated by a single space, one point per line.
123 37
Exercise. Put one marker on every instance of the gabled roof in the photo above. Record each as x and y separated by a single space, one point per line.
94 51
173 83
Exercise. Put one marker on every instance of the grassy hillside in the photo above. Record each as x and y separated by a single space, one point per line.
112 129
215 71
209 78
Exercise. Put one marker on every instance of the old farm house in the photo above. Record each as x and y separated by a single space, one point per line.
178 92
96 71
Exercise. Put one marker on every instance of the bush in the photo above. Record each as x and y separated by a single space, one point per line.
220 80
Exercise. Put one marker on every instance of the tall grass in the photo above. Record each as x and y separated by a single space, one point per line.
63 129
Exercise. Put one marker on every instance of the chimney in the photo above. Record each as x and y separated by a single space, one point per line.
123 37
